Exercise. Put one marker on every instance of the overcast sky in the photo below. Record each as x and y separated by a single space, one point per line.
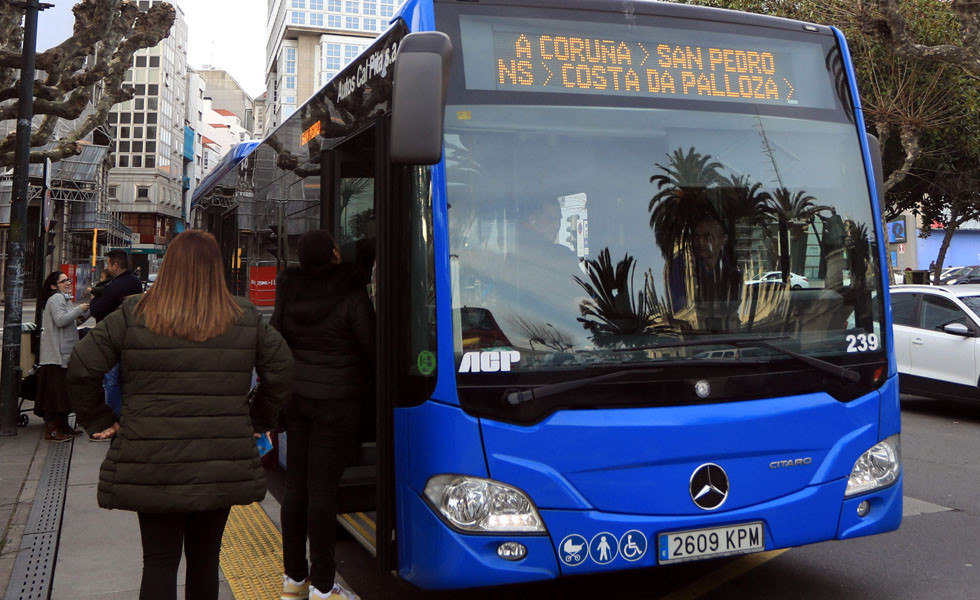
228 34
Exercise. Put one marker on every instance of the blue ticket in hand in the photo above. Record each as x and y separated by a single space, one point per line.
264 444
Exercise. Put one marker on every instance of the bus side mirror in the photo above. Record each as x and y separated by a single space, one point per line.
418 100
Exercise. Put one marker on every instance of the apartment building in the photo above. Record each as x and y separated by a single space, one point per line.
310 41
146 185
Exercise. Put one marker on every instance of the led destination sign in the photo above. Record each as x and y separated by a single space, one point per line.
533 55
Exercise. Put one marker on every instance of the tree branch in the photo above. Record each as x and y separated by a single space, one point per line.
966 56
110 31
909 137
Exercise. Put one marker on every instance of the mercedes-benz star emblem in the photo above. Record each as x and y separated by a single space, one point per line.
702 388
709 486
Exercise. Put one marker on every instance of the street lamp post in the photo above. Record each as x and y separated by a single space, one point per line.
14 283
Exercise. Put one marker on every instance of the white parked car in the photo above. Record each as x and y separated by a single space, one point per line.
796 282
937 340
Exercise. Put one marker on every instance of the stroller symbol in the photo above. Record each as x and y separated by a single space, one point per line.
573 551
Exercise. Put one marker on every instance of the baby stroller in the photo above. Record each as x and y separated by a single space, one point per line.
27 390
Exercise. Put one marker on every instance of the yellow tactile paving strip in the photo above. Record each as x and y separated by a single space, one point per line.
251 554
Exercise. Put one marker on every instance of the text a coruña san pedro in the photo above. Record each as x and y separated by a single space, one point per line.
611 66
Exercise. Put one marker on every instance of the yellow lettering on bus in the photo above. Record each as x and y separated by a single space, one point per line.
687 81
543 44
522 47
632 81
623 54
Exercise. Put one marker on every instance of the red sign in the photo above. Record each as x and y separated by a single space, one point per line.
262 286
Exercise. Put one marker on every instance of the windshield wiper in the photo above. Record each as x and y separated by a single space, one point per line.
515 397
519 397
818 364
763 342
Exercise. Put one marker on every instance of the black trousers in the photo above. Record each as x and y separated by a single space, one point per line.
321 441
164 535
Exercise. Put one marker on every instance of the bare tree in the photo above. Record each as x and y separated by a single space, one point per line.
100 50
965 54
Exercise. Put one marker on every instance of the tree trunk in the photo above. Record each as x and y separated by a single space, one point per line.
784 250
951 227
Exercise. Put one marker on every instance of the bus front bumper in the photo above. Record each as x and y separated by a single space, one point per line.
434 556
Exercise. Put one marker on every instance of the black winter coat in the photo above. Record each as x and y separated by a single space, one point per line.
327 319
185 441
119 287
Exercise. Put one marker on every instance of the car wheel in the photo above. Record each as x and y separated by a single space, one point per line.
797 287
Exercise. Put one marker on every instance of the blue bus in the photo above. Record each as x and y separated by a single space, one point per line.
627 267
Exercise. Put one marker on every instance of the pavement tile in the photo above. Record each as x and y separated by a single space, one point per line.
100 556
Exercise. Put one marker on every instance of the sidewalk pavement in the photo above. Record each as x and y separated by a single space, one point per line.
21 459
99 554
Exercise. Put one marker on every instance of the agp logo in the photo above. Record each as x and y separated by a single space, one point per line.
489 362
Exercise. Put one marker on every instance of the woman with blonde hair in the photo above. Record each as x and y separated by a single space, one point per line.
183 450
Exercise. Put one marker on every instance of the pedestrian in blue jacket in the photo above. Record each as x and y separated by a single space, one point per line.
123 284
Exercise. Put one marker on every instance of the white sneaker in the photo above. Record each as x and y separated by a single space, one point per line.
338 592
295 590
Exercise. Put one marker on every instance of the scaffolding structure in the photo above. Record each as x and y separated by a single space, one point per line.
78 209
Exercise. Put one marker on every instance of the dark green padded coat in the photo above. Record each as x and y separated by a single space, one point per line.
185 441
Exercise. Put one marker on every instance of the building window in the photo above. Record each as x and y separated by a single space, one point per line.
290 99
140 61
352 7
151 161
138 160
353 23
142 192
370 8
316 19
113 191
299 3
316 4
370 24
333 21
290 83
333 5
387 8
333 57
123 147
351 52
298 18
124 132
154 61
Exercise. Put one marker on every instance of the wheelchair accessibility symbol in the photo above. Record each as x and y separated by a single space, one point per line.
573 550
632 545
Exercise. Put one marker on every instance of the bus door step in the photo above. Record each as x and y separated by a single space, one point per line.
363 527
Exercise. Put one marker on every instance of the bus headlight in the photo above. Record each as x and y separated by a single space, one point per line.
878 467
483 505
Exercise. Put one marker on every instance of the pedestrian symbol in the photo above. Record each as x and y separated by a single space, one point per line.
573 550
603 548
633 545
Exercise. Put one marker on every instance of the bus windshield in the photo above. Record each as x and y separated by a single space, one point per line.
615 208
